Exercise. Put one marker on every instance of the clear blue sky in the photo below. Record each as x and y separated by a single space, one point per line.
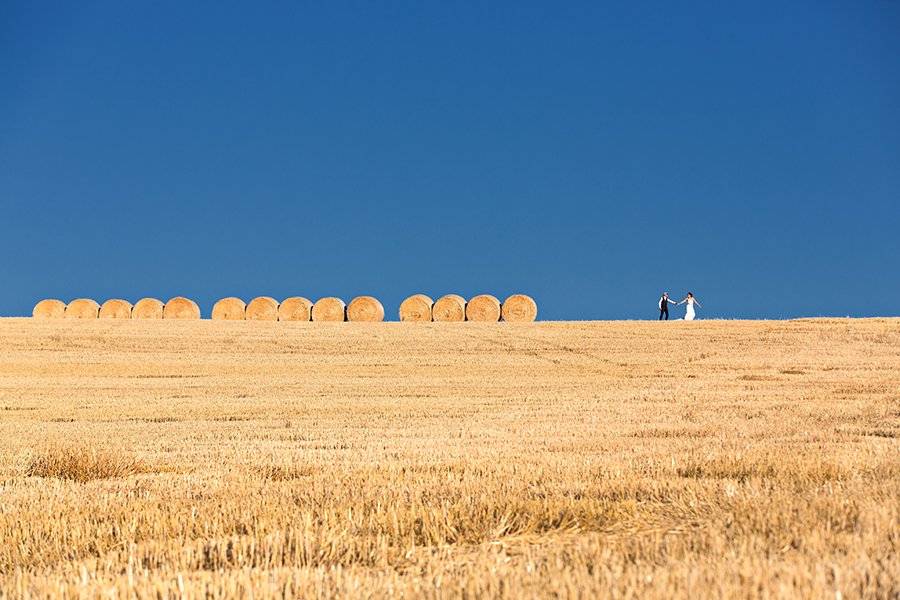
589 154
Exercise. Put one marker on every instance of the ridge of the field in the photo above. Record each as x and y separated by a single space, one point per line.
581 458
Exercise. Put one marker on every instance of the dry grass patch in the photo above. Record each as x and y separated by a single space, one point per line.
744 468
82 463
277 472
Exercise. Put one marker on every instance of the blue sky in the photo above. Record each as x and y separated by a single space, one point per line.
591 155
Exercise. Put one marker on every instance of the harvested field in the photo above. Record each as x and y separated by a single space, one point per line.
625 459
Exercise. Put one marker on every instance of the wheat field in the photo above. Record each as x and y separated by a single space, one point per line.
216 459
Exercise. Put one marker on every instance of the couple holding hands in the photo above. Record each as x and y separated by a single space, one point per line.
689 300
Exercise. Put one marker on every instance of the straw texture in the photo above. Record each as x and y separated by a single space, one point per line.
365 308
147 308
180 307
229 309
416 308
484 308
519 308
295 308
82 308
50 308
115 308
329 309
451 307
262 308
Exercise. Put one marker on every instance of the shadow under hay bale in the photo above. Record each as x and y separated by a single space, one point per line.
229 309
116 308
50 308
416 308
82 308
262 308
180 307
365 309
329 310
451 307
519 308
295 308
147 308
484 308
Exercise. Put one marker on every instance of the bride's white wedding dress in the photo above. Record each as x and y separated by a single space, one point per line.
689 310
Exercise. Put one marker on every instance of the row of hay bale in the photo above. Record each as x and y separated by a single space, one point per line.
453 307
297 308
262 308
178 307
416 308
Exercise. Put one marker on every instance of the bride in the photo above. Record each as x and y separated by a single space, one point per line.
689 309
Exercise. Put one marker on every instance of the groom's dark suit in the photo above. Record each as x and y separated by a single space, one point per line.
664 307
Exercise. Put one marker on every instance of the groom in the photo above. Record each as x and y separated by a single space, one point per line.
664 303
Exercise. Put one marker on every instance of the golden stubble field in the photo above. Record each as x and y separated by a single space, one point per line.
617 459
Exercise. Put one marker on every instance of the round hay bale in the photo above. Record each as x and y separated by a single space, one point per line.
82 308
451 307
484 308
147 308
416 308
329 309
49 309
295 308
229 309
519 308
365 308
115 309
180 307
262 308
